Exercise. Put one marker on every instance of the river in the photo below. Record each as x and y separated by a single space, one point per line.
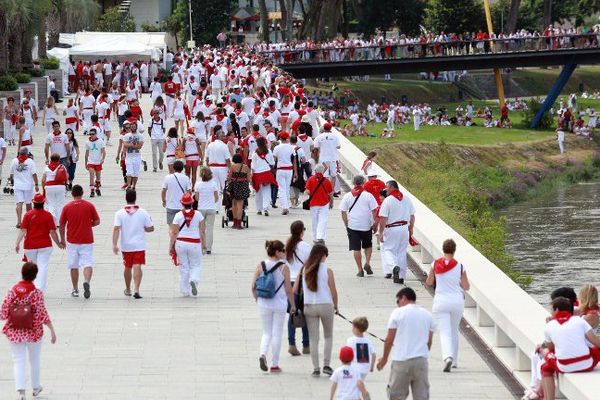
557 239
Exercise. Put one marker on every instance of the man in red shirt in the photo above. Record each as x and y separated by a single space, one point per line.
320 191
38 228
170 90
78 218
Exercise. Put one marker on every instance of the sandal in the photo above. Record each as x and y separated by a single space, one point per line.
127 292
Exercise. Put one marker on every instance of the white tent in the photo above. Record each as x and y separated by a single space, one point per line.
110 46
63 57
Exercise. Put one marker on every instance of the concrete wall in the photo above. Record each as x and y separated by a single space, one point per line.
149 11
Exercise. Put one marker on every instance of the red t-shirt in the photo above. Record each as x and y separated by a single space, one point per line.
320 197
78 215
375 186
38 223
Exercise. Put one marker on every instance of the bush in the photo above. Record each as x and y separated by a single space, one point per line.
50 63
8 83
36 72
533 106
22 77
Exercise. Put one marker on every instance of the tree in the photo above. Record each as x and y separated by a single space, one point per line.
372 15
513 15
264 20
70 16
454 15
547 12
209 17
175 23
114 20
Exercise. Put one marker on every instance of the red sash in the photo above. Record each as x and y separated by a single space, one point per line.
440 267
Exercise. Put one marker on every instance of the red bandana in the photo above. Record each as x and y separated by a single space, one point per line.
256 110
440 266
207 103
52 165
131 208
56 134
562 316
22 158
188 215
303 137
238 111
397 194
220 117
23 288
357 190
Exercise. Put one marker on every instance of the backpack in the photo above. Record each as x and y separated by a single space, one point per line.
61 175
20 316
265 283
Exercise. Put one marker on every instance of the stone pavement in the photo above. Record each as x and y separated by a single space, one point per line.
166 347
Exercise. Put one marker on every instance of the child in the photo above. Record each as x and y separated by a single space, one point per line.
364 352
346 380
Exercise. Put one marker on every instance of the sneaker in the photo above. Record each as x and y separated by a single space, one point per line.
360 274
275 369
86 290
145 165
21 395
208 252
75 293
136 295
316 373
194 288
396 274
37 391
368 269
266 213
274 206
327 370
293 350
388 276
448 364
92 193
160 165
259 213
98 193
306 350
153 169
263 363
285 212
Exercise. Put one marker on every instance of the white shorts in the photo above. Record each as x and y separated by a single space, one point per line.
178 117
106 125
133 167
170 159
23 196
80 255
331 169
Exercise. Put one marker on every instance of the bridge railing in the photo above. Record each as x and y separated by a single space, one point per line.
508 320
431 49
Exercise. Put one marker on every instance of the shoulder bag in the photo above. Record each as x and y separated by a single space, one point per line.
306 203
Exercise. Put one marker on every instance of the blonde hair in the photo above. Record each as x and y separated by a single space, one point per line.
205 174
588 298
50 101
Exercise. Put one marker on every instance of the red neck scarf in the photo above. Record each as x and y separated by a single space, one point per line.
23 288
272 108
265 114
52 165
238 111
318 175
131 208
220 117
188 215
208 103
357 190
22 158
397 194
256 110
56 134
303 137
562 316
594 310
440 266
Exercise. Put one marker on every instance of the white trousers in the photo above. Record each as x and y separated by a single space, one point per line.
87 119
390 123
9 130
284 180
319 215
448 314
189 256
561 146
272 323
170 103
55 201
263 198
417 123
393 249
19 354
220 176
42 258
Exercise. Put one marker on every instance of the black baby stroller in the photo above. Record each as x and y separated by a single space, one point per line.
227 204
8 189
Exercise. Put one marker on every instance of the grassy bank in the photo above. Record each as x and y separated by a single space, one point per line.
465 185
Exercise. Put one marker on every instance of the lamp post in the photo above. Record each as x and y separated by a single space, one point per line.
190 12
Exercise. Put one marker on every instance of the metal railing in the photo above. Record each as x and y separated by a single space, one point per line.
431 49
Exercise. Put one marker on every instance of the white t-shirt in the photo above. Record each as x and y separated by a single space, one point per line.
174 191
413 324
346 377
279 301
206 194
192 231
260 164
363 350
23 174
133 234
361 216
215 81
569 342
200 130
327 143
396 210
132 139
157 129
323 293
283 153
447 287
2 146
57 144
217 152
95 151
301 253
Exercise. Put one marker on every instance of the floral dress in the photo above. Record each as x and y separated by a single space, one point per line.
40 316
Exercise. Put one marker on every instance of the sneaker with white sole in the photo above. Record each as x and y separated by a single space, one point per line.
75 293
194 288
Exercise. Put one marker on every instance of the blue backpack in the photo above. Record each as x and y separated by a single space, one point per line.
265 283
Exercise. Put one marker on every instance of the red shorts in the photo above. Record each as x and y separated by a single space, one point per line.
131 258
192 163
95 167
550 367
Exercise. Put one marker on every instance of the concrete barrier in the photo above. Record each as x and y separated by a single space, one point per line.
508 320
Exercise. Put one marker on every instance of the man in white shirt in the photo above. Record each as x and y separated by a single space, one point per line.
409 339
95 153
287 170
218 158
156 130
24 177
174 186
396 221
131 225
132 144
328 144
359 209
57 142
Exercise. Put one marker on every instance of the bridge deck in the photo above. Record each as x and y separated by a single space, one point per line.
167 347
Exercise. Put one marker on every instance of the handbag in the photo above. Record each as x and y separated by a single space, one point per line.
298 319
306 203
20 316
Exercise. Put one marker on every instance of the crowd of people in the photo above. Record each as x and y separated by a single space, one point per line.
225 126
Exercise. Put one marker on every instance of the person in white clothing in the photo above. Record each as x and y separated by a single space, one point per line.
3 147
261 164
156 130
174 186
409 339
560 138
364 351
87 104
206 193
53 181
417 118
187 235
396 221
57 142
155 89
132 144
347 382
95 153
449 278
24 177
328 144
131 225
272 302
218 158
359 209
287 170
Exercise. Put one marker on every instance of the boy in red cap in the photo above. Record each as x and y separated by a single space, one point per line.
346 380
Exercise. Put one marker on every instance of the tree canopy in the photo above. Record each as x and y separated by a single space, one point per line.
454 15
114 20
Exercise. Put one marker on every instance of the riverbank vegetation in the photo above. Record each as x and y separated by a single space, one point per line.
466 185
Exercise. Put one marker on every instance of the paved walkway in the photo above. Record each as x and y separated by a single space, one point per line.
168 347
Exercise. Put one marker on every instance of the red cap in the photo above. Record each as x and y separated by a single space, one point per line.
284 135
327 126
39 198
301 112
187 199
346 354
